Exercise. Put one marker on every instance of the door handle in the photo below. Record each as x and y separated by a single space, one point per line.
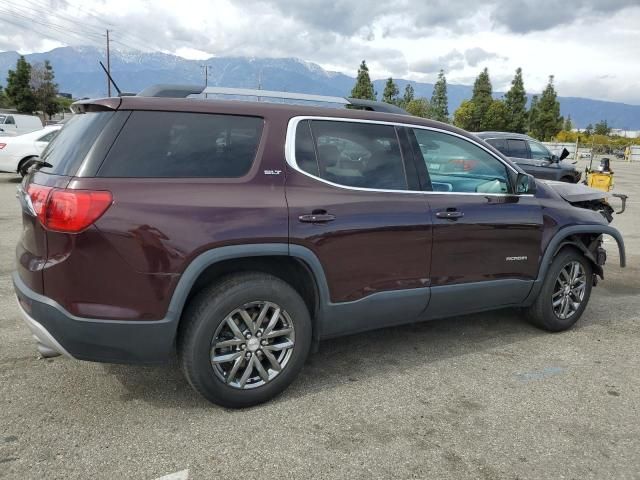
320 217
450 214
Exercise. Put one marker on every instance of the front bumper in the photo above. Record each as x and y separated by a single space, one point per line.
112 341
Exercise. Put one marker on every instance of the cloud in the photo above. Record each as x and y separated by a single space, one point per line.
476 55
524 16
454 60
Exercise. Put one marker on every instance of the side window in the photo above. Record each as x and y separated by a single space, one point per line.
48 137
177 144
10 120
305 150
364 155
539 151
499 144
518 148
457 165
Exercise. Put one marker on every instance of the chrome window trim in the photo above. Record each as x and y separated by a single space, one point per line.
290 155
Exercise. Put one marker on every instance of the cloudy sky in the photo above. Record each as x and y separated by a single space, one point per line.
591 46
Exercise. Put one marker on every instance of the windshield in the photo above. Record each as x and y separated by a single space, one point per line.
2 117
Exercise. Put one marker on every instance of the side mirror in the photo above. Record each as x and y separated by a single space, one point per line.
564 154
525 183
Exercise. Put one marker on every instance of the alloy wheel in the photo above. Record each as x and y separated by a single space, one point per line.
252 345
569 290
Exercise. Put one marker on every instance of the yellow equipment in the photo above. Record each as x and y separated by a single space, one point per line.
601 178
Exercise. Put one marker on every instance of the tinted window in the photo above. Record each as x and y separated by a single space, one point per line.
305 152
457 165
48 137
518 148
539 151
10 121
499 144
175 144
73 142
361 155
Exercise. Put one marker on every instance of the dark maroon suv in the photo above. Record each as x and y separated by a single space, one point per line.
239 234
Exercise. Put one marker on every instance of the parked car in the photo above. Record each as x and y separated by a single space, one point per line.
532 156
240 234
12 124
17 153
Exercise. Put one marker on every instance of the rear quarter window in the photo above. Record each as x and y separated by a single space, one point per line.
73 142
177 144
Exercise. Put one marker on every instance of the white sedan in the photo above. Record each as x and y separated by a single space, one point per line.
16 151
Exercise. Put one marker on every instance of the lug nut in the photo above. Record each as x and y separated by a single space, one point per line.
263 342
259 334
248 355
247 336
243 346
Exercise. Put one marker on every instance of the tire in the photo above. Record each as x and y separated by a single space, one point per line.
24 165
542 312
205 328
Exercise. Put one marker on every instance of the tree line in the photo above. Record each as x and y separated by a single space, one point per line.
481 112
32 89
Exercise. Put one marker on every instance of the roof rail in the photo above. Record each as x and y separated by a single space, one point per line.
184 91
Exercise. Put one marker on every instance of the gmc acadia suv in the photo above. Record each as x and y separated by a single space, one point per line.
239 234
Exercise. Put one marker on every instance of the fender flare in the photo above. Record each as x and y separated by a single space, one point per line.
556 242
219 254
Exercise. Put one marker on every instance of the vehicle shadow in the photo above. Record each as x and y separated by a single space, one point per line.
349 359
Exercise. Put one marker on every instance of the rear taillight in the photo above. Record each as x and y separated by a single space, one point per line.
68 211
2 145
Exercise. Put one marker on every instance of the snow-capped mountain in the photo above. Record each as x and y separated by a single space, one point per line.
78 73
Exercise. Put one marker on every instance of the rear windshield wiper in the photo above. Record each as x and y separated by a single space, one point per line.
39 163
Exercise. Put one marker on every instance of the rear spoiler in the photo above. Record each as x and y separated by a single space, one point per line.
93 105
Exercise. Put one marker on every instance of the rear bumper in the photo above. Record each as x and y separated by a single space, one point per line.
112 341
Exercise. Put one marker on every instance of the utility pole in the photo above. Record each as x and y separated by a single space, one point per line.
206 76
108 66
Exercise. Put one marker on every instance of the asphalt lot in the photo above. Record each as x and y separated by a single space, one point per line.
481 396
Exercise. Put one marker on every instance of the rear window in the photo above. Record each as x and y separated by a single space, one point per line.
73 142
176 144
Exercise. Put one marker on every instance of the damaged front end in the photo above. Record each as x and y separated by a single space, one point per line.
581 196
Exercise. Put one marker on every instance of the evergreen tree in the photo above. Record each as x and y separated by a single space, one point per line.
439 99
589 130
568 124
391 92
547 122
409 95
481 98
419 107
602 128
464 116
363 88
18 89
516 105
496 118
44 88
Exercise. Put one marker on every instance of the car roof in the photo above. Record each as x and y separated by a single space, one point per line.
521 136
253 108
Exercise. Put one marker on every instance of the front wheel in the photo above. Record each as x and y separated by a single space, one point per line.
564 294
244 339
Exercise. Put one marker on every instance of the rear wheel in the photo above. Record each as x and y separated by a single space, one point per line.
244 339
565 292
23 166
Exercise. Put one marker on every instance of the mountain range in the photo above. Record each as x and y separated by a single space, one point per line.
77 72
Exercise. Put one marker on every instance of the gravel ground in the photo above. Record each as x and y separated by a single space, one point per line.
480 396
